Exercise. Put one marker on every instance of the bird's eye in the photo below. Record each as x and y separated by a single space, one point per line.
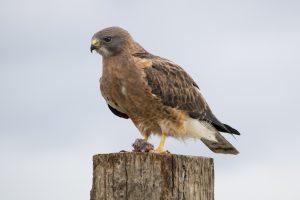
107 39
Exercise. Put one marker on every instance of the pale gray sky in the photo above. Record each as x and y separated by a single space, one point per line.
244 55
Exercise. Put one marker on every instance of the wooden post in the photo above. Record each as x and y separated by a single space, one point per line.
148 176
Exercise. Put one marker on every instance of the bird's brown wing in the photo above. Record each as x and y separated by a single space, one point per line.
177 89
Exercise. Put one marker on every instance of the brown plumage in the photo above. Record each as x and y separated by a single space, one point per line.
155 93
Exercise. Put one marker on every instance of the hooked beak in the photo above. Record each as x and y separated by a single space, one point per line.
92 48
95 44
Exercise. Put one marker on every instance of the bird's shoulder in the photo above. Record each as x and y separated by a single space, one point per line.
151 63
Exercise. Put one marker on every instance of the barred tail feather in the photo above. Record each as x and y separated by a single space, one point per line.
221 146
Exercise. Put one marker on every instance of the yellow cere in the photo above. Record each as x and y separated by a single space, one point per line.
95 42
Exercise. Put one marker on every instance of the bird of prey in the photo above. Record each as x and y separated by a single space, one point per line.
155 93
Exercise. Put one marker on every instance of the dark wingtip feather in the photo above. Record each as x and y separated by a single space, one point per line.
232 130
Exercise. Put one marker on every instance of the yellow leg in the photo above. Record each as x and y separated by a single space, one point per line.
160 148
146 137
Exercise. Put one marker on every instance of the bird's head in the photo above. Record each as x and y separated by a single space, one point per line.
110 41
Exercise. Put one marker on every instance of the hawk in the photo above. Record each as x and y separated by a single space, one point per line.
155 93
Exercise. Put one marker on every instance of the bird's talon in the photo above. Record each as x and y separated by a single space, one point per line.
159 151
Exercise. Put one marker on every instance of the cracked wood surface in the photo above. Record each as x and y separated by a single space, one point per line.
148 176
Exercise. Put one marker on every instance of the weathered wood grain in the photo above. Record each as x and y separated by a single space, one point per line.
147 176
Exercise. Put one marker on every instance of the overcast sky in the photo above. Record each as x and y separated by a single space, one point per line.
244 55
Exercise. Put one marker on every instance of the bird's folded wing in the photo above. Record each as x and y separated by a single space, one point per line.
175 88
